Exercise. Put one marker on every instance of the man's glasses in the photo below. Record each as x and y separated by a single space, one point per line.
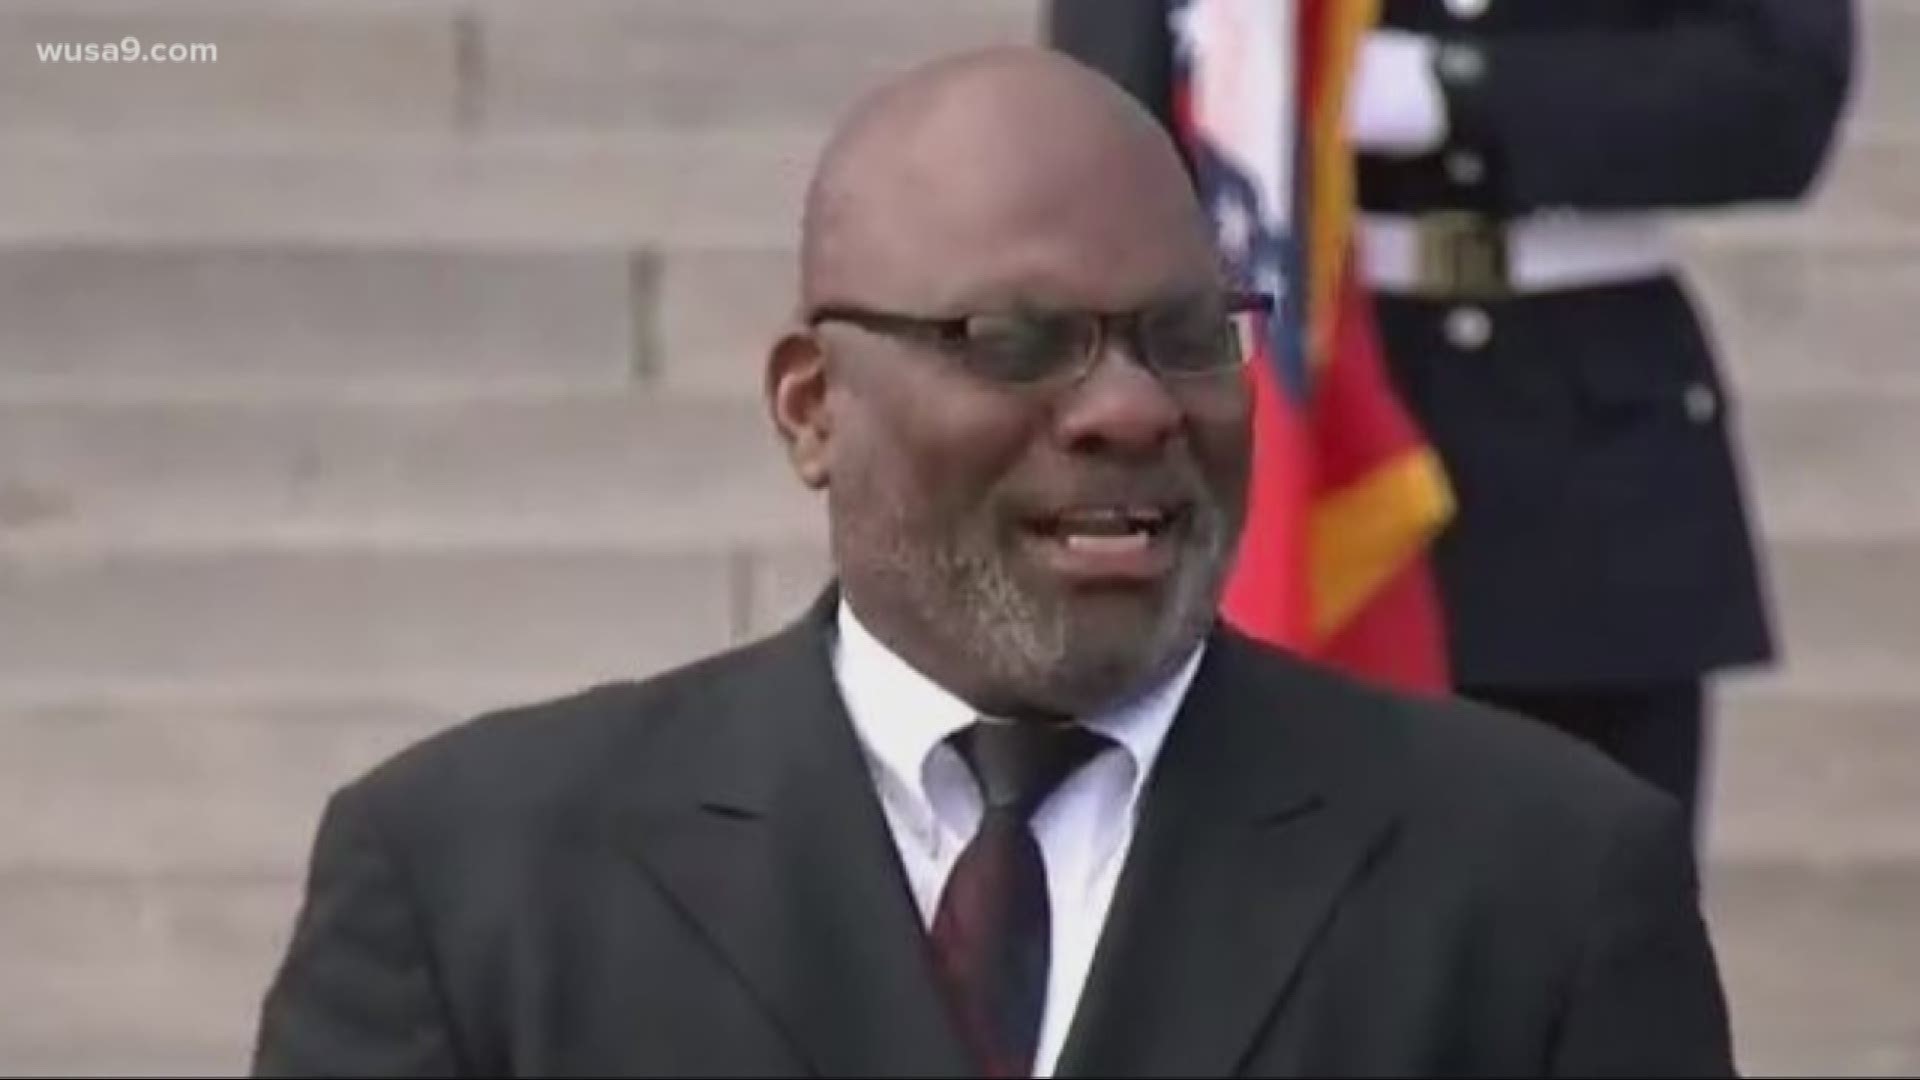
1176 340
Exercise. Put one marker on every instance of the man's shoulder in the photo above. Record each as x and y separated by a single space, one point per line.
1466 748
1453 760
533 758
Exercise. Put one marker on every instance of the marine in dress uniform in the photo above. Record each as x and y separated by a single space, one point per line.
1519 160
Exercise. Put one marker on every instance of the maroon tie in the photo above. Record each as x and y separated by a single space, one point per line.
991 934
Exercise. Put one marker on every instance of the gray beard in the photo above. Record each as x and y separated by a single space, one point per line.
1022 646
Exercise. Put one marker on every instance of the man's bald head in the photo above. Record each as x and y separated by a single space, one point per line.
949 163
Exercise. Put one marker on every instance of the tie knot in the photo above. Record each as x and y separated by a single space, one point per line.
1019 763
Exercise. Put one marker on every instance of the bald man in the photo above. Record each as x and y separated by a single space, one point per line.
1008 800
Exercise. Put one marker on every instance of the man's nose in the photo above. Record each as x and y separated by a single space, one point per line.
1119 407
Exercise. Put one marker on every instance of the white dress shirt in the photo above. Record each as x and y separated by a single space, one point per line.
932 804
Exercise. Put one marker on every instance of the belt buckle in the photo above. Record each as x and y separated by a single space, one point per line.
1463 256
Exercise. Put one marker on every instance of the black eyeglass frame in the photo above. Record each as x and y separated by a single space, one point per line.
953 334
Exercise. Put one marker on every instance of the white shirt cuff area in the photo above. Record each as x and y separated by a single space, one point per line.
1396 106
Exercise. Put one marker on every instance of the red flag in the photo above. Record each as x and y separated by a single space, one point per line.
1346 494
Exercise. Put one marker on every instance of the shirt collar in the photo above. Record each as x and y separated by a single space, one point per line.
901 715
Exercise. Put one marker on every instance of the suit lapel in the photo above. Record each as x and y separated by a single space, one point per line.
1253 826
773 844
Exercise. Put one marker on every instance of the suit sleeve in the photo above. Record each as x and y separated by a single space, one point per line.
355 994
1724 102
1646 997
1127 40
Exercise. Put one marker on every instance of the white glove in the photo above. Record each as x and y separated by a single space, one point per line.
1395 105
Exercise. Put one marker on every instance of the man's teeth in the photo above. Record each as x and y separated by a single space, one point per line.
1111 524
1130 541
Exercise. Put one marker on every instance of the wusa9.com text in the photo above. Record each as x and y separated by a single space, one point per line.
128 50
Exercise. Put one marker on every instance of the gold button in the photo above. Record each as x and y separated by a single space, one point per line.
1469 328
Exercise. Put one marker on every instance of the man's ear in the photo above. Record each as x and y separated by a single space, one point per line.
797 399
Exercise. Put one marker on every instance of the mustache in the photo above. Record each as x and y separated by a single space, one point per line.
1173 486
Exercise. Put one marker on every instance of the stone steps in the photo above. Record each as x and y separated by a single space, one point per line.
602 64
1833 465
621 65
382 621
1819 967
729 186
1822 966
481 66
169 322
130 967
698 189
1871 178
398 617
726 187
1827 780
310 69
211 318
200 321
649 472
1846 614
500 122
217 786
1804 316
1888 89
636 472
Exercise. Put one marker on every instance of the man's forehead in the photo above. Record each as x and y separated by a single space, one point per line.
1047 271
941 256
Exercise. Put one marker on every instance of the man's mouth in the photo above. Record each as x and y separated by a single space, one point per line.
1107 525
1117 543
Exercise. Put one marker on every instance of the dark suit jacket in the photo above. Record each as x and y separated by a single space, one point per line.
692 876
1602 534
